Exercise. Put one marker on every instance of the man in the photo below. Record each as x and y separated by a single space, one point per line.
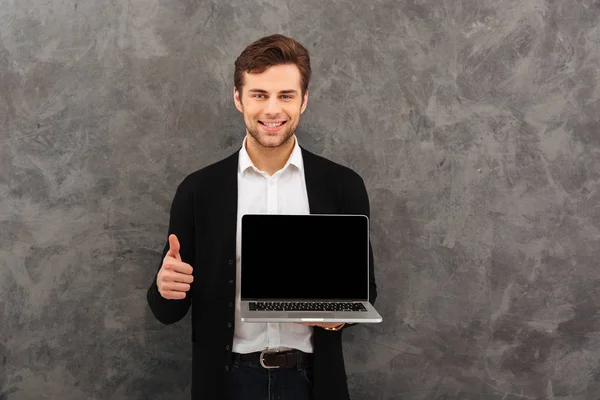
270 173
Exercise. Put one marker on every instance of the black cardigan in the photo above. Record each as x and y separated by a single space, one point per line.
204 218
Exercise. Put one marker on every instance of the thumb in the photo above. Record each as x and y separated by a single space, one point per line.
174 247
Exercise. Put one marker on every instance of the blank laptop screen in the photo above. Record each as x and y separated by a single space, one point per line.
304 257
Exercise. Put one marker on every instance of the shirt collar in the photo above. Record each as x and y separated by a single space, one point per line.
295 158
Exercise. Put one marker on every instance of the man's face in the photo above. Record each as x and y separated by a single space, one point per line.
271 103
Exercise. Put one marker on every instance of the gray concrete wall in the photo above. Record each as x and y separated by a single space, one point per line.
475 124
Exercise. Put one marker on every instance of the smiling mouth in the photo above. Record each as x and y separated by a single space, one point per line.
272 124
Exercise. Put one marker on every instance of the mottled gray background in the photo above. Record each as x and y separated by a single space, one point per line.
475 124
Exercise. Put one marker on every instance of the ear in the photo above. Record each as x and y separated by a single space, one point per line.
304 102
237 100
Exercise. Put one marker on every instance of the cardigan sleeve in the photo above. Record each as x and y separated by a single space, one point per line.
181 223
356 201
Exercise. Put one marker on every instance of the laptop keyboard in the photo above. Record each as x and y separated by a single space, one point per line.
304 306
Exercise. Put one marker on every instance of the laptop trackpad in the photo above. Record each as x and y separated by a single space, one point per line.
311 316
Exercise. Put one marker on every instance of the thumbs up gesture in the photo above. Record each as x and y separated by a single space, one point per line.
175 276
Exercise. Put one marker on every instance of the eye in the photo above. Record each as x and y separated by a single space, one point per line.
258 96
286 96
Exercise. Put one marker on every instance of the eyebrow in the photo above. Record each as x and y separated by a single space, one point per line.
287 91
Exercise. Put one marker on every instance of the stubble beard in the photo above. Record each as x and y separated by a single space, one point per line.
288 132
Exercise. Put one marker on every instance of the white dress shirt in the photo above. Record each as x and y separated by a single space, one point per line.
284 192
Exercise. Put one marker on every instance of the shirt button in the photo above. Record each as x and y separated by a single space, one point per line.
229 324
227 368
231 282
230 304
230 262
227 347
271 183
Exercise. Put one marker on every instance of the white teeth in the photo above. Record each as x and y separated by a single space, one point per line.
272 125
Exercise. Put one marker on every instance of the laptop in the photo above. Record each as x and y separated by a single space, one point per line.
305 268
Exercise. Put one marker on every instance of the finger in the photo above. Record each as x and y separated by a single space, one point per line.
176 286
178 277
172 295
321 324
179 267
169 275
174 247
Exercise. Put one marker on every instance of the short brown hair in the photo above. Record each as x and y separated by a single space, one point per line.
269 51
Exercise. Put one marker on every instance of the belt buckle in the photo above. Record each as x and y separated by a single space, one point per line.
262 361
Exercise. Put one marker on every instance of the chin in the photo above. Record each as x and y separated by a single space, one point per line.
271 142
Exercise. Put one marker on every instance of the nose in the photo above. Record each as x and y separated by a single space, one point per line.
273 107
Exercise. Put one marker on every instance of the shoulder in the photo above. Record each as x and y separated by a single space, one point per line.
334 170
212 172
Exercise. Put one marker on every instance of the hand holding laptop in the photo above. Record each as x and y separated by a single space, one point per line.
175 276
325 325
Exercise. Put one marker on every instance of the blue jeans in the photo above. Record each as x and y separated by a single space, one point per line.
249 381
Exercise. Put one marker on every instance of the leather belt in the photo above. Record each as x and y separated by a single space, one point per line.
271 359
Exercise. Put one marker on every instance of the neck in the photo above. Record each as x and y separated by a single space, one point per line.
269 159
